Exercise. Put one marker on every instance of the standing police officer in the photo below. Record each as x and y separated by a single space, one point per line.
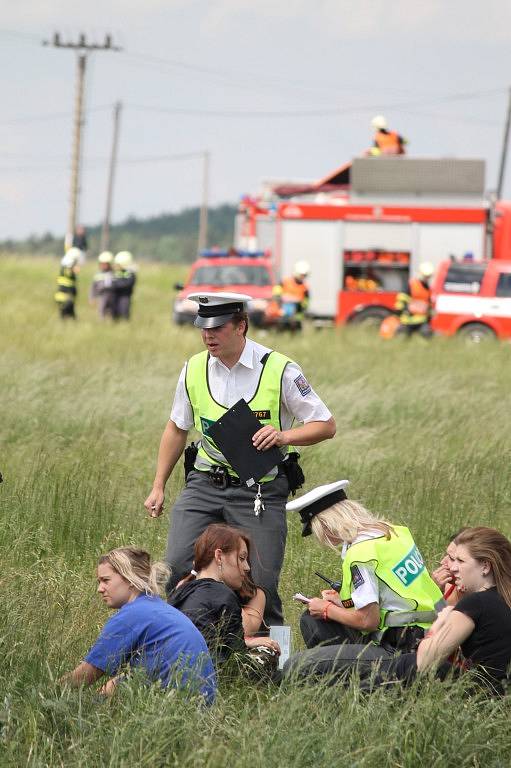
234 367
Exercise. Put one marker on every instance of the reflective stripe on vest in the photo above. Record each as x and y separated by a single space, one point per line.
265 404
398 564
66 285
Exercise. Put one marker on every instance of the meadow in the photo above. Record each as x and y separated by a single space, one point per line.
422 433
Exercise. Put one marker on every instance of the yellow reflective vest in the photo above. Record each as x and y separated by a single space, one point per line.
66 285
398 563
265 404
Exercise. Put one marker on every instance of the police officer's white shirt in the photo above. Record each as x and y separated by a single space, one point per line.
228 385
369 588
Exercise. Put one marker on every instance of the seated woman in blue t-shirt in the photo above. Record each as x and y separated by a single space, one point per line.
144 631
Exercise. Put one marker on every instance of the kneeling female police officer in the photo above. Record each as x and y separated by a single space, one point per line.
387 598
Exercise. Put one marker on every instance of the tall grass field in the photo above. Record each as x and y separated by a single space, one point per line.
423 434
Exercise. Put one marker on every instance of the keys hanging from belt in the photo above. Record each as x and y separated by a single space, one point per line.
258 502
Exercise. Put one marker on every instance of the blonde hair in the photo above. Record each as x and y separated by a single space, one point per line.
344 521
135 566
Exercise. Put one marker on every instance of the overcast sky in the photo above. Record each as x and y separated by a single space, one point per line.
273 89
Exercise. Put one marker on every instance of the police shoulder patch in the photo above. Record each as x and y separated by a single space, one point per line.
303 385
356 577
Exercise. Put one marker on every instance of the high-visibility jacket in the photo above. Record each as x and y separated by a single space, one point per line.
292 290
265 404
414 306
398 563
389 143
123 282
66 285
101 283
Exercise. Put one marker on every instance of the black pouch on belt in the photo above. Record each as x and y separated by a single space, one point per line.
190 456
293 471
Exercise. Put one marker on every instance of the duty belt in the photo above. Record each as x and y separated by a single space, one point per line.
402 618
219 477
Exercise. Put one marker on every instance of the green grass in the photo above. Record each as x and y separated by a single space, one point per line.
423 435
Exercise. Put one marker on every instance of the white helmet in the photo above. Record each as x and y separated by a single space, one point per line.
123 259
426 269
71 258
301 269
105 257
379 123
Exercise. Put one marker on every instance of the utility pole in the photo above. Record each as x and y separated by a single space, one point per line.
203 216
105 233
503 155
83 48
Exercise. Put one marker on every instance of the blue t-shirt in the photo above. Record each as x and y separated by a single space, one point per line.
150 634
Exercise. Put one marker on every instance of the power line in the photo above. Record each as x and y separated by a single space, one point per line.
403 106
331 112
97 163
24 35
49 116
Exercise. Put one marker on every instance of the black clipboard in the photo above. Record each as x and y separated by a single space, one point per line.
233 433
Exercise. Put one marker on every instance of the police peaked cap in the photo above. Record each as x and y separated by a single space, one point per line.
312 503
216 309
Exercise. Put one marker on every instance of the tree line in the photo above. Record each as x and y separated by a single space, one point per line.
168 237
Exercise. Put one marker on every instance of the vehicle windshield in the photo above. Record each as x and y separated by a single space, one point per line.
464 278
231 274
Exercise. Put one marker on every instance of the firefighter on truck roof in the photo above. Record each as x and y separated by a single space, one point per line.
386 142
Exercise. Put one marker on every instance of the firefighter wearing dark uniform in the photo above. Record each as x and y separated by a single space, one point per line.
234 367
65 294
123 284
414 307
387 598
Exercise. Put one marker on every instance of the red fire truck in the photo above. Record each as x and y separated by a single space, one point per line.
367 227
473 299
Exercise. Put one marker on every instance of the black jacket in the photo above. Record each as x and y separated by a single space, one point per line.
215 609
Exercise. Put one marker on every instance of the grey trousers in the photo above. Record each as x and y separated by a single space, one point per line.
201 504
318 632
336 661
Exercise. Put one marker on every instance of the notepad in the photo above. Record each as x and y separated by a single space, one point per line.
233 433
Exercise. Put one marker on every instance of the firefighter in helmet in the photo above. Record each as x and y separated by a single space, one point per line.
65 294
292 296
101 292
123 284
414 307
386 142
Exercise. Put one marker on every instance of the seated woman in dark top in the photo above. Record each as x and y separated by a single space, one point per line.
210 597
476 632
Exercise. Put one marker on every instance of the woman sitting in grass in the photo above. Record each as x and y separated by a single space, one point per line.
476 632
144 631
219 596
443 575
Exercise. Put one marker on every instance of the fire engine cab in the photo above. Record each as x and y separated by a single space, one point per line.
367 227
473 300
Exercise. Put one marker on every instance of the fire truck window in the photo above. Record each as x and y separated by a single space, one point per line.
232 275
504 285
464 279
